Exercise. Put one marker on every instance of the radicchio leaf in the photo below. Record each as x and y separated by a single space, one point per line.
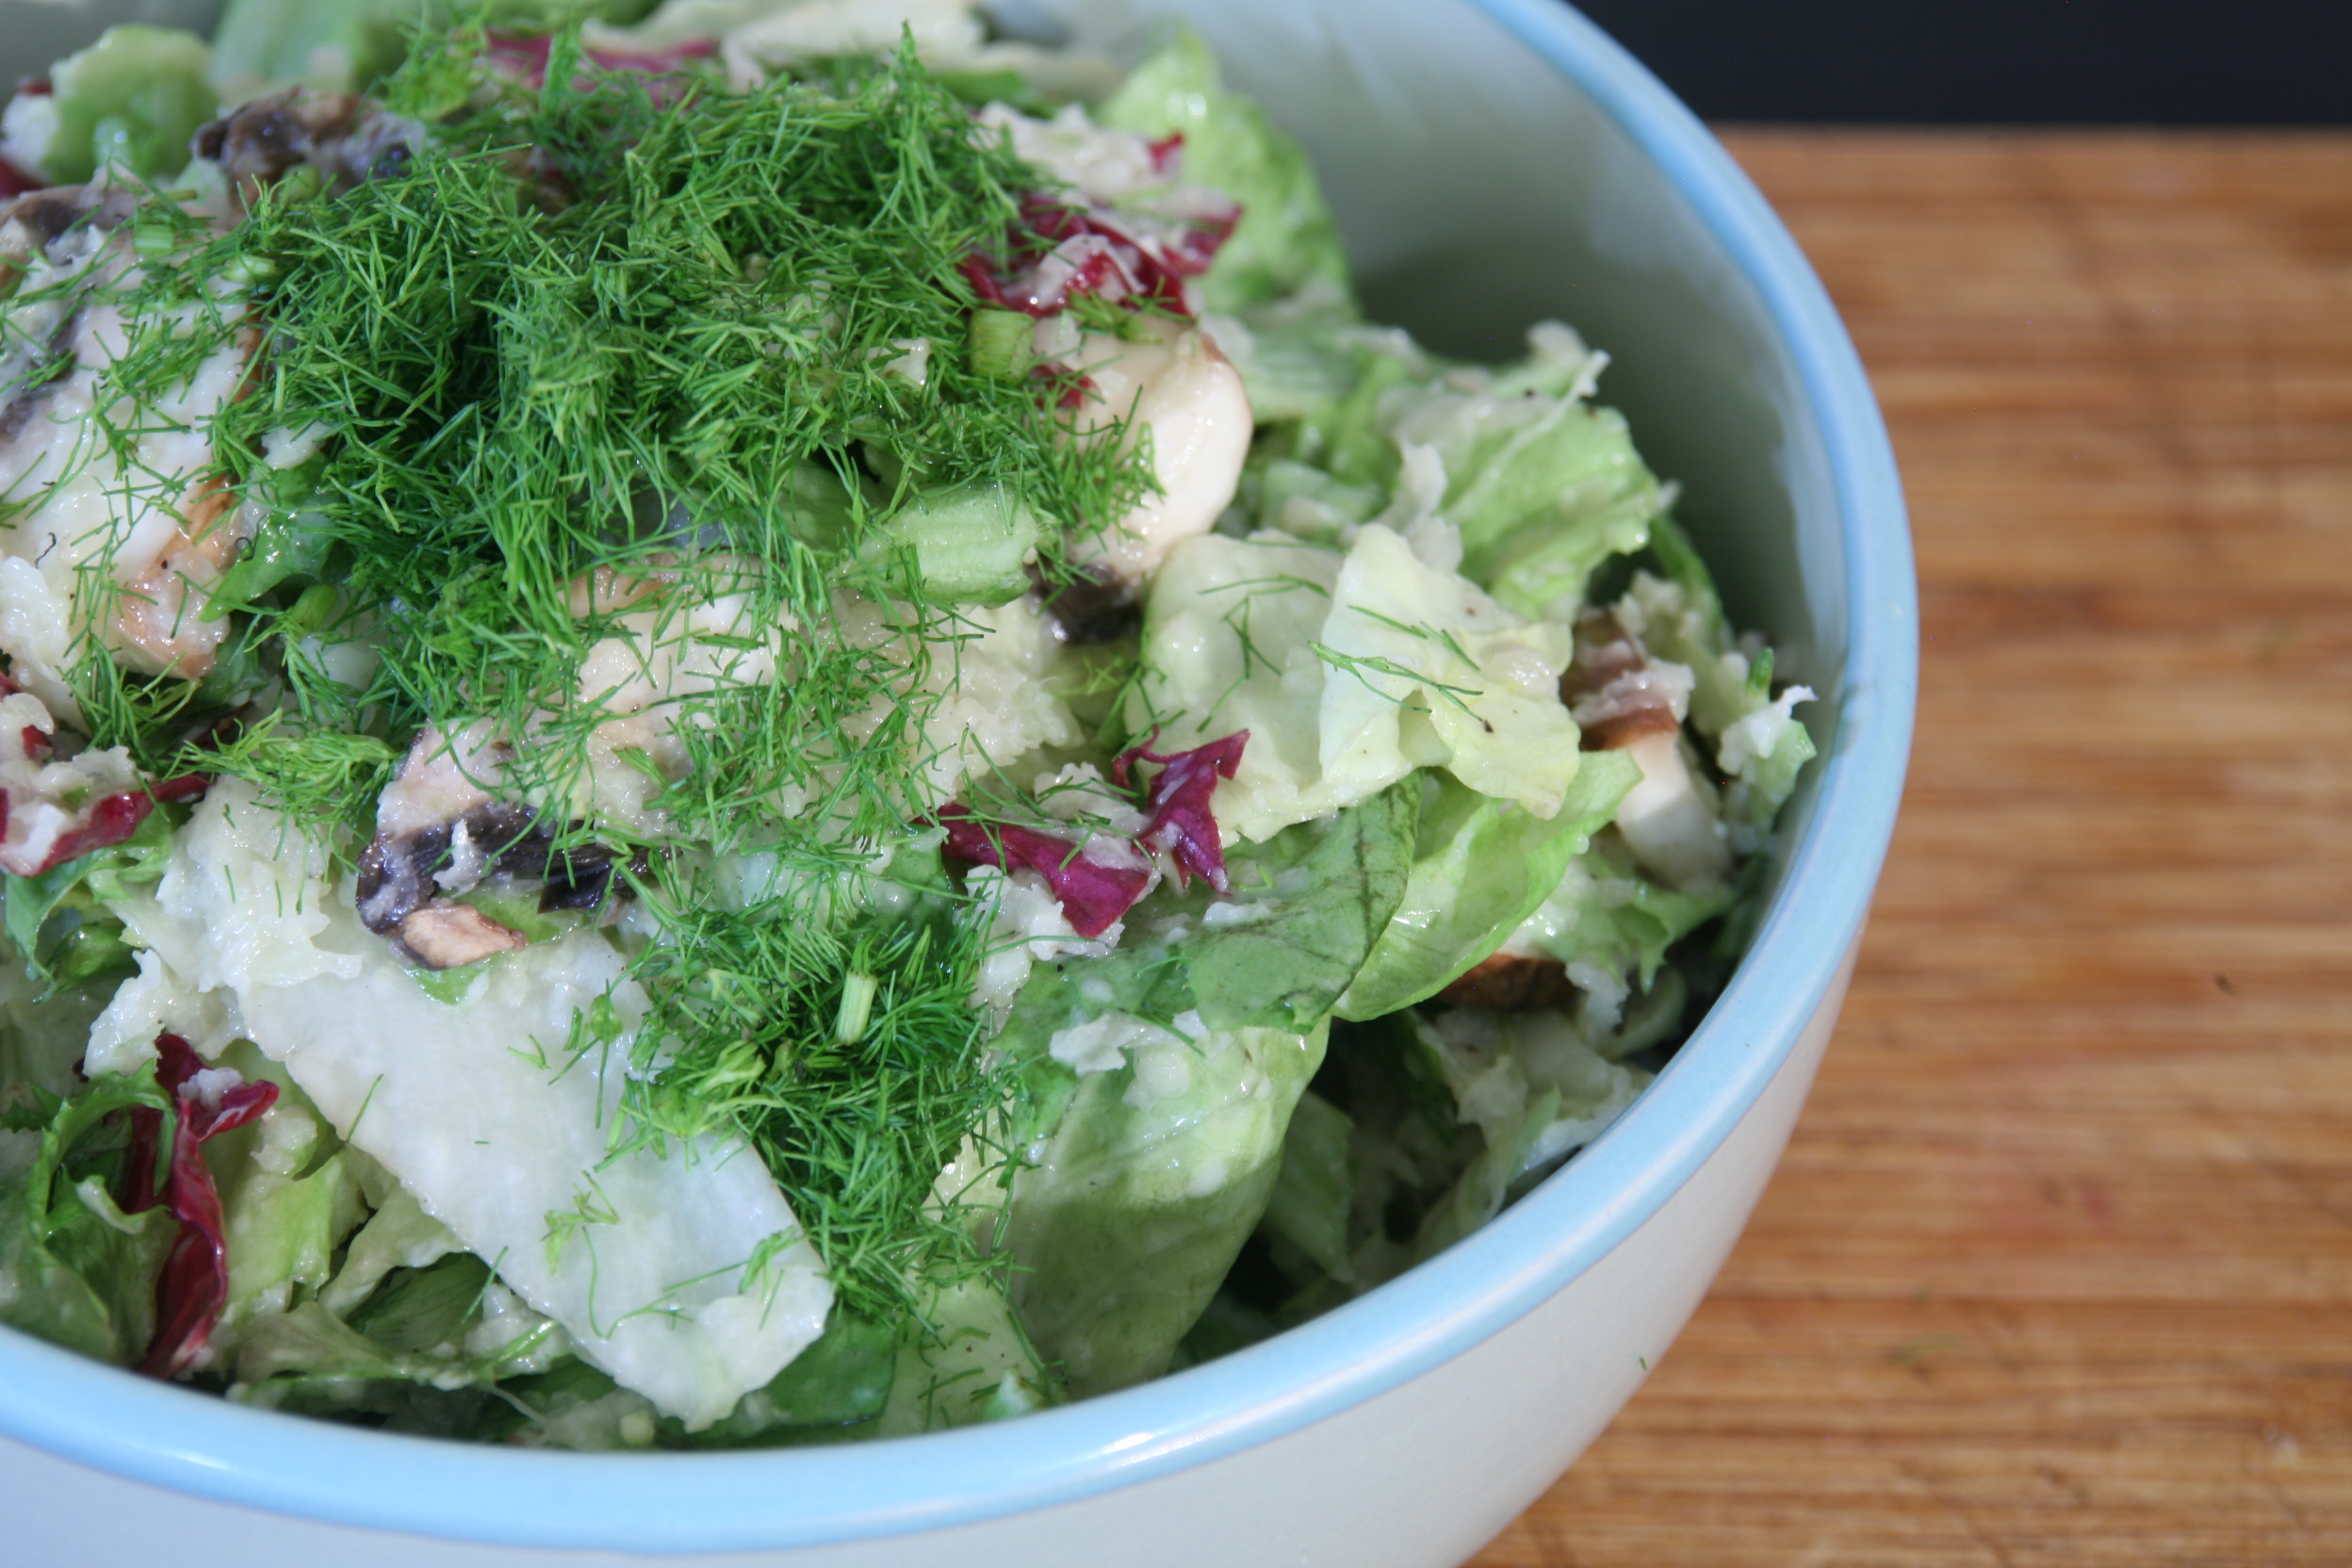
1178 800
1094 894
109 823
195 1282
1057 250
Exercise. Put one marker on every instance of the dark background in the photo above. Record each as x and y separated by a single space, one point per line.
2055 62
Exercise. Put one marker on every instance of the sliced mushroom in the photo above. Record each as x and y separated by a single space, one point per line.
441 833
344 137
35 221
1623 700
448 935
1509 982
1096 606
1614 693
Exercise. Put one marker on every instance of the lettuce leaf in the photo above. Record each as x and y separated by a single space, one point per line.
842 1381
74 1268
133 99
1133 1211
1307 907
344 45
968 1357
1608 914
1286 237
1141 1180
1314 1190
1483 868
57 921
1536 1090
1349 671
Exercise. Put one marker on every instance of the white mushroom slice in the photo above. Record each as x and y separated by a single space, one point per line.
448 935
1176 389
1670 824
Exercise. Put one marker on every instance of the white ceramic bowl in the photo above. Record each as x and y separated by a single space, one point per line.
1493 161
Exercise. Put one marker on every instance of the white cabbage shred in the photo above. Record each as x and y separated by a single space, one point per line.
648 1262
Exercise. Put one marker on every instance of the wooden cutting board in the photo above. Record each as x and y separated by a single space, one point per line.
2058 1270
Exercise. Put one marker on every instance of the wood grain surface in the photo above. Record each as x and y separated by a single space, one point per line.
2058 1269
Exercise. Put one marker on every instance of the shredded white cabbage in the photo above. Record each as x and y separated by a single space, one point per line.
477 1110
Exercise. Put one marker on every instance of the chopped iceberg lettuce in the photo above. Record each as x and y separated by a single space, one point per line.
1606 918
1300 356
1128 1216
842 1381
1158 1084
1536 1090
290 1195
345 45
1313 1191
56 921
1305 912
1356 670
1543 486
1540 487
1427 669
133 99
966 1357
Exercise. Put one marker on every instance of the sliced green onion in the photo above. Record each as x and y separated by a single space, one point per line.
858 993
999 346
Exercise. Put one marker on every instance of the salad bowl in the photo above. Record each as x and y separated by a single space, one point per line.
1492 162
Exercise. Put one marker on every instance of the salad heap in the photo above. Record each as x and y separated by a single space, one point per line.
768 723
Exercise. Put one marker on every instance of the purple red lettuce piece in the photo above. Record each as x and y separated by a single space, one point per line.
1178 802
1095 895
1093 250
194 1285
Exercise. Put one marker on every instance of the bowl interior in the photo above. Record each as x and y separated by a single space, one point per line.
1493 162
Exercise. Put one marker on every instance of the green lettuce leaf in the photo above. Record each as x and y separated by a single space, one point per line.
1299 358
1537 1091
1307 907
1314 1190
74 1269
58 922
344 45
1132 1212
842 1381
1286 237
966 1357
1609 913
132 99
1142 1178
289 1196
1483 868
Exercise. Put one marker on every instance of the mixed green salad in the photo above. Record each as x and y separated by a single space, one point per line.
768 723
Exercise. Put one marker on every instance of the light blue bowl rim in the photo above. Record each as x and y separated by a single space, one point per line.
174 1438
